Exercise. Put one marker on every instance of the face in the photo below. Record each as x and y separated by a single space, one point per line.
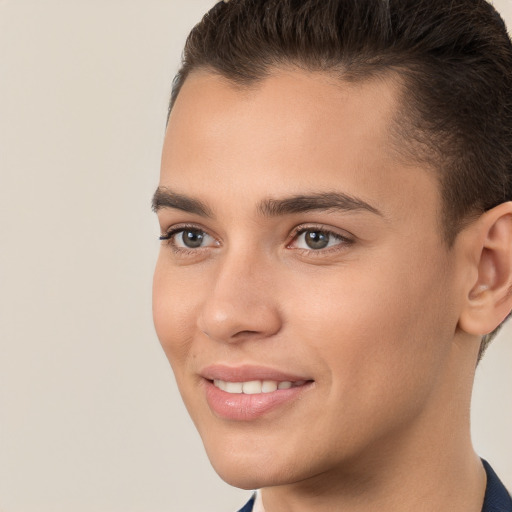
303 294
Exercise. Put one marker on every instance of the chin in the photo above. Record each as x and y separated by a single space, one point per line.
247 468
243 479
249 477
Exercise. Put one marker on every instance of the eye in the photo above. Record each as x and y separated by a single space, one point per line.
315 239
188 238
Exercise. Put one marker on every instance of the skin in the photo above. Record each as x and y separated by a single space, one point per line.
384 320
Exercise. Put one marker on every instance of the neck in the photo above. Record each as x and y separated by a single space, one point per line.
421 484
414 470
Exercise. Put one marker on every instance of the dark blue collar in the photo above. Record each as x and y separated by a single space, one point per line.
248 506
497 498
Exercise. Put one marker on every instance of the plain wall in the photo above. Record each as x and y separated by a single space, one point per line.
90 417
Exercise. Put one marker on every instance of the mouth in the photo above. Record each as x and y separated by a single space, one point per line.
255 387
248 393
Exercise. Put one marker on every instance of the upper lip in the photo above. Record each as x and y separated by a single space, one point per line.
247 373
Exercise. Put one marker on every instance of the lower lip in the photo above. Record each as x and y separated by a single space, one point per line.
242 407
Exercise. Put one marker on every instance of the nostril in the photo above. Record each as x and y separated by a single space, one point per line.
245 334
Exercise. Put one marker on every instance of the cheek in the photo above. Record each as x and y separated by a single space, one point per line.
173 314
382 334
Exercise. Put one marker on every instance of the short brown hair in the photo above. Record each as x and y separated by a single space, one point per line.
454 58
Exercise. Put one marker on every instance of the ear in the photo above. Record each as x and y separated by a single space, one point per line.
489 296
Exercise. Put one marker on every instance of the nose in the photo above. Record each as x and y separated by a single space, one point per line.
241 302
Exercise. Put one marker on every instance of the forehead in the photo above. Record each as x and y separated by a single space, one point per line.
292 132
289 105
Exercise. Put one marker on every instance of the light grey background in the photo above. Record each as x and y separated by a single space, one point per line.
90 418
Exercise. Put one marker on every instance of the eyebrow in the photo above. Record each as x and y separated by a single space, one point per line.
165 198
324 201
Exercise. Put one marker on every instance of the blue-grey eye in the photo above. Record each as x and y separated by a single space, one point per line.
317 239
189 238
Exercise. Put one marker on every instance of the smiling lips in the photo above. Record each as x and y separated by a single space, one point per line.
247 393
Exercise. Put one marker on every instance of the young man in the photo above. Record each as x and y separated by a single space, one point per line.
337 247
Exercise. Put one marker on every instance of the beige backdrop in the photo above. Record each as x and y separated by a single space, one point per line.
90 419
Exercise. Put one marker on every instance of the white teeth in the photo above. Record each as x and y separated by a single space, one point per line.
221 384
254 387
233 387
268 386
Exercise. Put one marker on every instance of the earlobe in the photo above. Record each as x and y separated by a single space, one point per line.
489 298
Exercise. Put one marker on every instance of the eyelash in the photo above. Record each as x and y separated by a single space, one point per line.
344 241
169 235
